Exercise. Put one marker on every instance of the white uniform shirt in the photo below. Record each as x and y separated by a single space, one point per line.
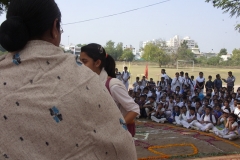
237 112
126 75
208 119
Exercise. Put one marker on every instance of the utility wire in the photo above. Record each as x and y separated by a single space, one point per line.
115 14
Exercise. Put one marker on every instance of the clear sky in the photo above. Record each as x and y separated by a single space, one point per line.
208 26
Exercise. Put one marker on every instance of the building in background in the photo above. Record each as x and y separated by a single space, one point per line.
190 43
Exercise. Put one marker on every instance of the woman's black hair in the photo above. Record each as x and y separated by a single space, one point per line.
97 52
27 20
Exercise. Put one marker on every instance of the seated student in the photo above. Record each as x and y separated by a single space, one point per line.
176 112
233 98
192 116
199 108
169 107
222 120
237 111
163 83
144 81
136 85
231 128
189 105
141 103
207 120
181 120
234 105
217 111
177 90
159 93
159 114
151 84
178 103
226 105
150 106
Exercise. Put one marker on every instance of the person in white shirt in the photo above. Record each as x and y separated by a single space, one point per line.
118 74
178 102
150 106
188 82
231 128
237 111
135 84
181 120
163 83
94 57
177 81
200 82
164 74
159 93
125 77
144 81
169 107
192 117
207 120
159 114
234 105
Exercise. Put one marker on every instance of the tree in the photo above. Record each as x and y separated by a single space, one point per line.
127 55
214 60
236 56
155 52
183 53
223 51
110 49
4 5
119 50
232 6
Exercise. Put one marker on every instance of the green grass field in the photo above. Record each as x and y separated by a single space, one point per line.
138 69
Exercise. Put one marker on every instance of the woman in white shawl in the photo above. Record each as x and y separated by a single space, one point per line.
52 106
95 57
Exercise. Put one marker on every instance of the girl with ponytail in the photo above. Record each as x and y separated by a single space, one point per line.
95 57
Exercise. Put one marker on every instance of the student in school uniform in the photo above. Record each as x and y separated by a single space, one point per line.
144 82
207 121
163 83
177 81
159 114
209 84
118 74
94 56
181 120
150 106
125 77
237 111
231 128
192 117
200 82
135 84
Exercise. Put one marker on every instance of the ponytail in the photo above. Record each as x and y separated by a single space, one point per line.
97 52
110 66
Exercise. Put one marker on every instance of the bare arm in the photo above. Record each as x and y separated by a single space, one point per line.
129 118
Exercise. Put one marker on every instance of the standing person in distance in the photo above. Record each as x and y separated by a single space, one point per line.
164 74
144 81
218 83
52 106
200 81
125 77
209 84
94 56
230 82
177 81
118 74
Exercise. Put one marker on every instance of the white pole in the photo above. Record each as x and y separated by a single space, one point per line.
193 67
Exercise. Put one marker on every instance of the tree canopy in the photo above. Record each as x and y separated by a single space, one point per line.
228 6
223 51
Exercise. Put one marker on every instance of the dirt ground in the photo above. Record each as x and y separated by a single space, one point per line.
158 141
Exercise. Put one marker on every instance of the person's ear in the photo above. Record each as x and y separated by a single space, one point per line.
98 63
55 29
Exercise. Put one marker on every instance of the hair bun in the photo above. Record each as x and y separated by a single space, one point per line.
14 34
